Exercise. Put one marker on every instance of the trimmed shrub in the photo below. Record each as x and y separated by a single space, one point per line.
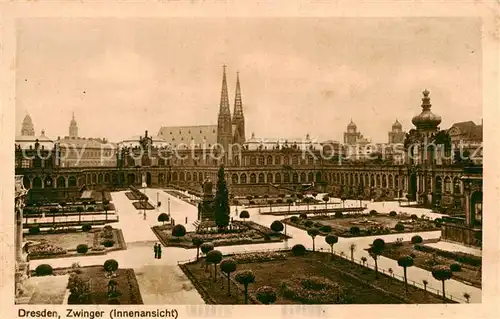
399 227
108 243
298 250
414 216
86 227
308 223
266 295
34 230
455 267
277 226
303 215
108 227
393 213
294 219
326 228
90 209
318 225
373 212
416 239
355 230
110 265
339 215
178 230
43 270
82 248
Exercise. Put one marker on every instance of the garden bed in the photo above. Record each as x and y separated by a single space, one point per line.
58 245
143 205
360 225
310 279
242 233
426 257
127 286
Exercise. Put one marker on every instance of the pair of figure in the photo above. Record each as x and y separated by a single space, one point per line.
157 249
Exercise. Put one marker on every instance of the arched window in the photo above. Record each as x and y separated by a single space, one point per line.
72 181
61 182
181 176
439 184
253 161
37 182
302 177
310 160
277 178
261 178
295 178
106 178
378 181
99 179
295 160
269 160
243 178
310 177
286 178
234 179
447 184
456 185
195 177
372 181
188 176
200 176
396 181
161 178
277 160
286 160
318 177
174 176
390 181
269 177
253 178
261 160
384 181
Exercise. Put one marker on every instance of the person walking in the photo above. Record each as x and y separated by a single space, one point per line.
156 250
159 251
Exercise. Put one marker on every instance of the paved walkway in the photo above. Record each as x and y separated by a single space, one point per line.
140 239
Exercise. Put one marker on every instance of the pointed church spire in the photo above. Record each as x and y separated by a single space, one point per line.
238 105
224 97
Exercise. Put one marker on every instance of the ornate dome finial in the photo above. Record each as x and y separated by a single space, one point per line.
426 120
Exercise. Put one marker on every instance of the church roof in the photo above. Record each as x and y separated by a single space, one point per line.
468 129
197 134
25 141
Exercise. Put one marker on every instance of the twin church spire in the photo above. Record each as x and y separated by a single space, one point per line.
230 129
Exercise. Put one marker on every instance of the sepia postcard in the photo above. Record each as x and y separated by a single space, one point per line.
179 159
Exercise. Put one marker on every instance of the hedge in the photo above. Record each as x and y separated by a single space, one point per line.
457 256
298 250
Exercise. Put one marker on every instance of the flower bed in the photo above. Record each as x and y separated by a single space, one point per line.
245 233
132 196
47 245
258 257
143 205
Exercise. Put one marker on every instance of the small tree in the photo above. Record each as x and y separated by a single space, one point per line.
363 260
326 199
352 248
442 273
178 231
54 211
106 208
331 240
163 217
277 226
266 295
244 214
110 266
343 198
313 232
197 242
205 248
245 277
405 262
214 257
376 250
425 282
466 296
227 266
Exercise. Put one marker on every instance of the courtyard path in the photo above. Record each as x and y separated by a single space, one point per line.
173 285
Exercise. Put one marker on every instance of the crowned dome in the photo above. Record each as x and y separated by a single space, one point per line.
426 119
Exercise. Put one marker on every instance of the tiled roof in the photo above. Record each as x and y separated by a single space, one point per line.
197 134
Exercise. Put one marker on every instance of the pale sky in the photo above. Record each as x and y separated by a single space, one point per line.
298 75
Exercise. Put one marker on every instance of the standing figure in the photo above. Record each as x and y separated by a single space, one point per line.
156 250
159 251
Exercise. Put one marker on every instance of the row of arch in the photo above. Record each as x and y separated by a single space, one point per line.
262 178
276 160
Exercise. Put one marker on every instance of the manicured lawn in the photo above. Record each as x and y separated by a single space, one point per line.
354 283
469 274
247 233
367 225
67 241
64 243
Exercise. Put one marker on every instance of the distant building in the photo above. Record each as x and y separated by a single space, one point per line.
396 135
73 127
27 128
